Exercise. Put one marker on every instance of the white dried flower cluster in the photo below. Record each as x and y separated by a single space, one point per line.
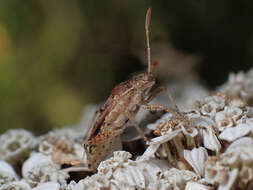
224 110
214 114
239 85
228 106
216 118
40 168
233 167
210 105
119 172
16 144
173 179
183 131
63 145
242 127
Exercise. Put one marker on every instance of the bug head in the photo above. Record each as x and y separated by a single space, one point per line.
143 81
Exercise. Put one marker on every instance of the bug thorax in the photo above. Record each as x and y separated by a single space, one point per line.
143 81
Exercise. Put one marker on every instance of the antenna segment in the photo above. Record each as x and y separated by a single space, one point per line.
147 23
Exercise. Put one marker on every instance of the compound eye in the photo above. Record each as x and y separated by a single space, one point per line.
91 148
116 96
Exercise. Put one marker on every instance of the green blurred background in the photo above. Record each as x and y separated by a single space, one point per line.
57 56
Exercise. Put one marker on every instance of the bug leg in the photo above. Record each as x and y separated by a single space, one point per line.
153 94
157 107
131 118
159 90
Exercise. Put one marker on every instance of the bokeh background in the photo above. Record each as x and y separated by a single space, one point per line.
58 56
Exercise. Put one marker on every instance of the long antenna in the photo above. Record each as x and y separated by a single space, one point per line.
147 23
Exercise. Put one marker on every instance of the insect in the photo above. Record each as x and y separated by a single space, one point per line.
122 105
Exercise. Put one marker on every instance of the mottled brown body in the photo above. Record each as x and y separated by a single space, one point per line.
123 103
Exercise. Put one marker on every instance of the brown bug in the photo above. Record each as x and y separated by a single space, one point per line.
121 106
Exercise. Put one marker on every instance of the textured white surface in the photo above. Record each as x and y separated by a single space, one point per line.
16 142
48 186
15 185
196 158
7 173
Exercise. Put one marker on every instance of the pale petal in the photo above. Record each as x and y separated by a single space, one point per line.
156 142
165 138
197 186
240 143
210 140
150 151
196 158
233 133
